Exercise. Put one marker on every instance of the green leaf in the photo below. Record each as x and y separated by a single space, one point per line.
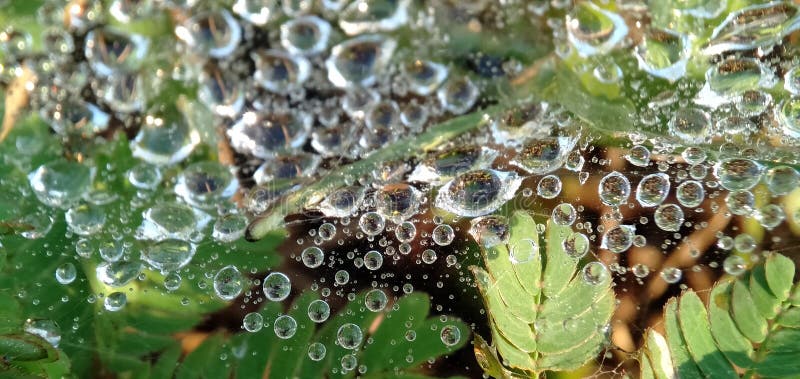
696 331
559 328
747 318
201 359
780 275
385 351
732 334
729 339
685 367
656 352
763 298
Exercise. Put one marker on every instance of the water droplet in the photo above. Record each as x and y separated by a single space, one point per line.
593 30
614 189
277 286
668 217
405 232
595 273
753 103
576 245
110 52
307 35
732 77
652 189
450 335
172 281
671 275
762 25
640 270
349 336
85 219
488 231
663 53
371 223
618 238
171 221
524 251
312 257
443 235
373 260
123 93
317 351
253 322
45 328
690 125
229 228
458 95
319 311
66 273
75 117
164 142
397 202
341 277
118 274
770 216
549 186
216 34
428 256
690 194
169 254
734 265
376 300
740 202
257 12
206 184
221 91
267 135
342 202
60 183
477 193
228 283
279 72
788 116
424 77
115 301
349 362
744 243
564 214
285 327
791 81
444 165
370 16
638 156
708 9
357 61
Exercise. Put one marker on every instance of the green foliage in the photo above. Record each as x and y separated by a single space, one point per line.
543 314
751 325
386 352
122 341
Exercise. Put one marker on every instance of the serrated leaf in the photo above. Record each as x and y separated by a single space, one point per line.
561 326
732 335
657 353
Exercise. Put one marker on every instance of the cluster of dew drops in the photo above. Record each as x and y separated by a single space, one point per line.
299 87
